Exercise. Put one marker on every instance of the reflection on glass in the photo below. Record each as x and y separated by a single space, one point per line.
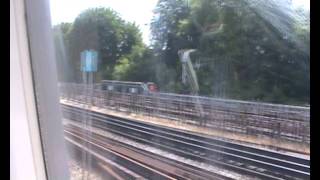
235 73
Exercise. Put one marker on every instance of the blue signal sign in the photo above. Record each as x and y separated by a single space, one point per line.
89 61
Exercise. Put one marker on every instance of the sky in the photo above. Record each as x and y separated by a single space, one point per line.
139 11
302 3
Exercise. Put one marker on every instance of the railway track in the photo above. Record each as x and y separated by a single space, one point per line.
285 122
246 160
129 162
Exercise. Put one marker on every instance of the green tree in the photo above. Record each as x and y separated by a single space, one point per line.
138 66
103 30
242 52
167 38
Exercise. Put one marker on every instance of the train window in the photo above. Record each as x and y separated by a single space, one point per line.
230 83
133 90
110 88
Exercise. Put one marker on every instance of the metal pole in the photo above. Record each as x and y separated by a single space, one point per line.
89 120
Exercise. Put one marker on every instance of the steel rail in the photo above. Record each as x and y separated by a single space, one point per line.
165 166
276 122
294 168
123 160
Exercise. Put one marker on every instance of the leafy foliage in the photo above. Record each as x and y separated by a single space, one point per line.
243 52
103 30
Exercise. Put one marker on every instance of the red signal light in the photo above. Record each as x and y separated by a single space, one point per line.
152 88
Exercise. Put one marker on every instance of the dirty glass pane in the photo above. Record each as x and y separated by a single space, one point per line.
184 89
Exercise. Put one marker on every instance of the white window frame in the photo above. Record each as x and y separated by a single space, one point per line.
37 146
